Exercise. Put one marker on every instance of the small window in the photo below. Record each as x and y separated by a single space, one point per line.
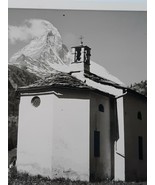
139 115
96 144
101 108
35 101
140 147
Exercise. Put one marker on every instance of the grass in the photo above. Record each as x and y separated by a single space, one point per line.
16 178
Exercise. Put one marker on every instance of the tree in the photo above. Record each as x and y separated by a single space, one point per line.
140 87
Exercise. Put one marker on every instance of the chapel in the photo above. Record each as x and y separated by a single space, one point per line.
82 126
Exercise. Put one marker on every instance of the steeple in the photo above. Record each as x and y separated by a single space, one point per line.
81 54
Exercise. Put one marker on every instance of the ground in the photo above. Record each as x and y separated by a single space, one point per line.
16 178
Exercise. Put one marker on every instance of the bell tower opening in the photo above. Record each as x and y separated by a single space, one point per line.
81 54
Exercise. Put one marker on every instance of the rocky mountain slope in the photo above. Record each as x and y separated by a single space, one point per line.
44 54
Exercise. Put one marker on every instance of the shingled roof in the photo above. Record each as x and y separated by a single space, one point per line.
66 80
59 79
102 80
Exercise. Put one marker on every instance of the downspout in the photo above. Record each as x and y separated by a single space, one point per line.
117 97
118 151
122 94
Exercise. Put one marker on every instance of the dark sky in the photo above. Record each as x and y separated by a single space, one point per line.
118 39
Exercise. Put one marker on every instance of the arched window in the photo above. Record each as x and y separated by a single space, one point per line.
101 108
139 115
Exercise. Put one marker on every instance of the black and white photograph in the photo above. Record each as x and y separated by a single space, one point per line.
77 96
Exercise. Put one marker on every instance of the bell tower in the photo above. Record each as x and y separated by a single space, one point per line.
81 54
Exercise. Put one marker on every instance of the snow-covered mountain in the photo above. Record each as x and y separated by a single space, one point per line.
44 54
47 54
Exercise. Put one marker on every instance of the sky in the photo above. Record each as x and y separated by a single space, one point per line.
118 39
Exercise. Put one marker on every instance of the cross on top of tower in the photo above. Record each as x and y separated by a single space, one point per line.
81 37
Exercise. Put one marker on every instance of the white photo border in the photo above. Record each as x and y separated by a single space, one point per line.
131 5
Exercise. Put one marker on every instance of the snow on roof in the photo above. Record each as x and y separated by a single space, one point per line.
102 72
99 78
94 68
100 83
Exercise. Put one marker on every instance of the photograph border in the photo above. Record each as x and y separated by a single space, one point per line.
131 5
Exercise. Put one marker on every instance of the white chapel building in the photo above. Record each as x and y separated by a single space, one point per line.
81 126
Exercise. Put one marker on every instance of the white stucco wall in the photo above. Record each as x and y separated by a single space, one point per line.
53 139
34 148
70 157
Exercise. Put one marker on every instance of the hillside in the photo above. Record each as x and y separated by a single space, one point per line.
16 78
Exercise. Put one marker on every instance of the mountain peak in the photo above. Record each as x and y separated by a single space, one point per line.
44 53
50 38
